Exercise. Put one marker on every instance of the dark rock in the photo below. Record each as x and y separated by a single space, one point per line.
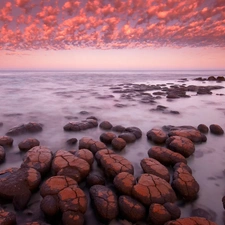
184 183
71 173
131 209
92 118
25 128
16 185
6 141
152 166
174 112
107 137
92 145
83 125
94 179
104 201
191 221
220 78
173 210
118 128
114 164
1 124
211 78
86 155
124 183
65 160
118 144
203 128
165 156
106 125
73 218
203 211
157 135
7 218
83 112
128 137
2 154
134 130
39 158
152 189
216 129
182 145
204 91
28 144
71 141
49 205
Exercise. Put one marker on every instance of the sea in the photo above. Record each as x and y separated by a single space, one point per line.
55 98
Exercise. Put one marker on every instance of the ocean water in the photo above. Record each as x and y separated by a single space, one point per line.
54 98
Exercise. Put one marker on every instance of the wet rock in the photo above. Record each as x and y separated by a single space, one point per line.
86 155
173 210
189 132
50 205
92 145
204 91
92 118
211 78
25 128
2 154
94 179
104 201
71 141
39 158
203 128
120 105
106 125
220 78
152 166
6 141
114 164
182 145
216 129
83 125
118 128
7 218
16 185
131 209
184 183
70 199
28 144
118 144
124 183
157 135
128 137
134 130
64 161
107 137
83 112
223 201
165 156
203 211
152 189
191 221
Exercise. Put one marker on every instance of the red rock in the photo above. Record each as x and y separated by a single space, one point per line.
191 221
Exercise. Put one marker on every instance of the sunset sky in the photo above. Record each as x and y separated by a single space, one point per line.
112 34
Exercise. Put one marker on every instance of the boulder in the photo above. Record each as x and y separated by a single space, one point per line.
152 189
6 141
2 154
131 209
104 201
64 161
184 183
134 130
17 184
118 144
71 141
182 145
191 221
107 137
165 156
216 129
83 125
118 128
86 155
39 158
28 144
92 145
7 218
156 135
114 164
105 125
152 166
25 128
203 128
95 178
124 183
128 137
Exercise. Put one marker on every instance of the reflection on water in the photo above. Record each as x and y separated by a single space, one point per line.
54 98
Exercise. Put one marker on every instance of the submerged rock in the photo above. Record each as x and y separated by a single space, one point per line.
6 141
216 129
83 125
106 125
28 144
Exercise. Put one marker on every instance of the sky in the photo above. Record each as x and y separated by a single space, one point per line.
112 34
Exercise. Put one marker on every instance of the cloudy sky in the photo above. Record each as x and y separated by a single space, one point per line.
112 34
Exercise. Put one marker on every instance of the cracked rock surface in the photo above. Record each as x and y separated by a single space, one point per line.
191 221
92 145
156 135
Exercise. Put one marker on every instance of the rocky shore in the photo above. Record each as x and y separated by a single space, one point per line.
94 178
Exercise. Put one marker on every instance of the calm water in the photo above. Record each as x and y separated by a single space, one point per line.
52 98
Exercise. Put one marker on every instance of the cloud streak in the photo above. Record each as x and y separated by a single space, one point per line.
103 24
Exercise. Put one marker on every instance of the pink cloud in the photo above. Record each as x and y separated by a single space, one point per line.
53 24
